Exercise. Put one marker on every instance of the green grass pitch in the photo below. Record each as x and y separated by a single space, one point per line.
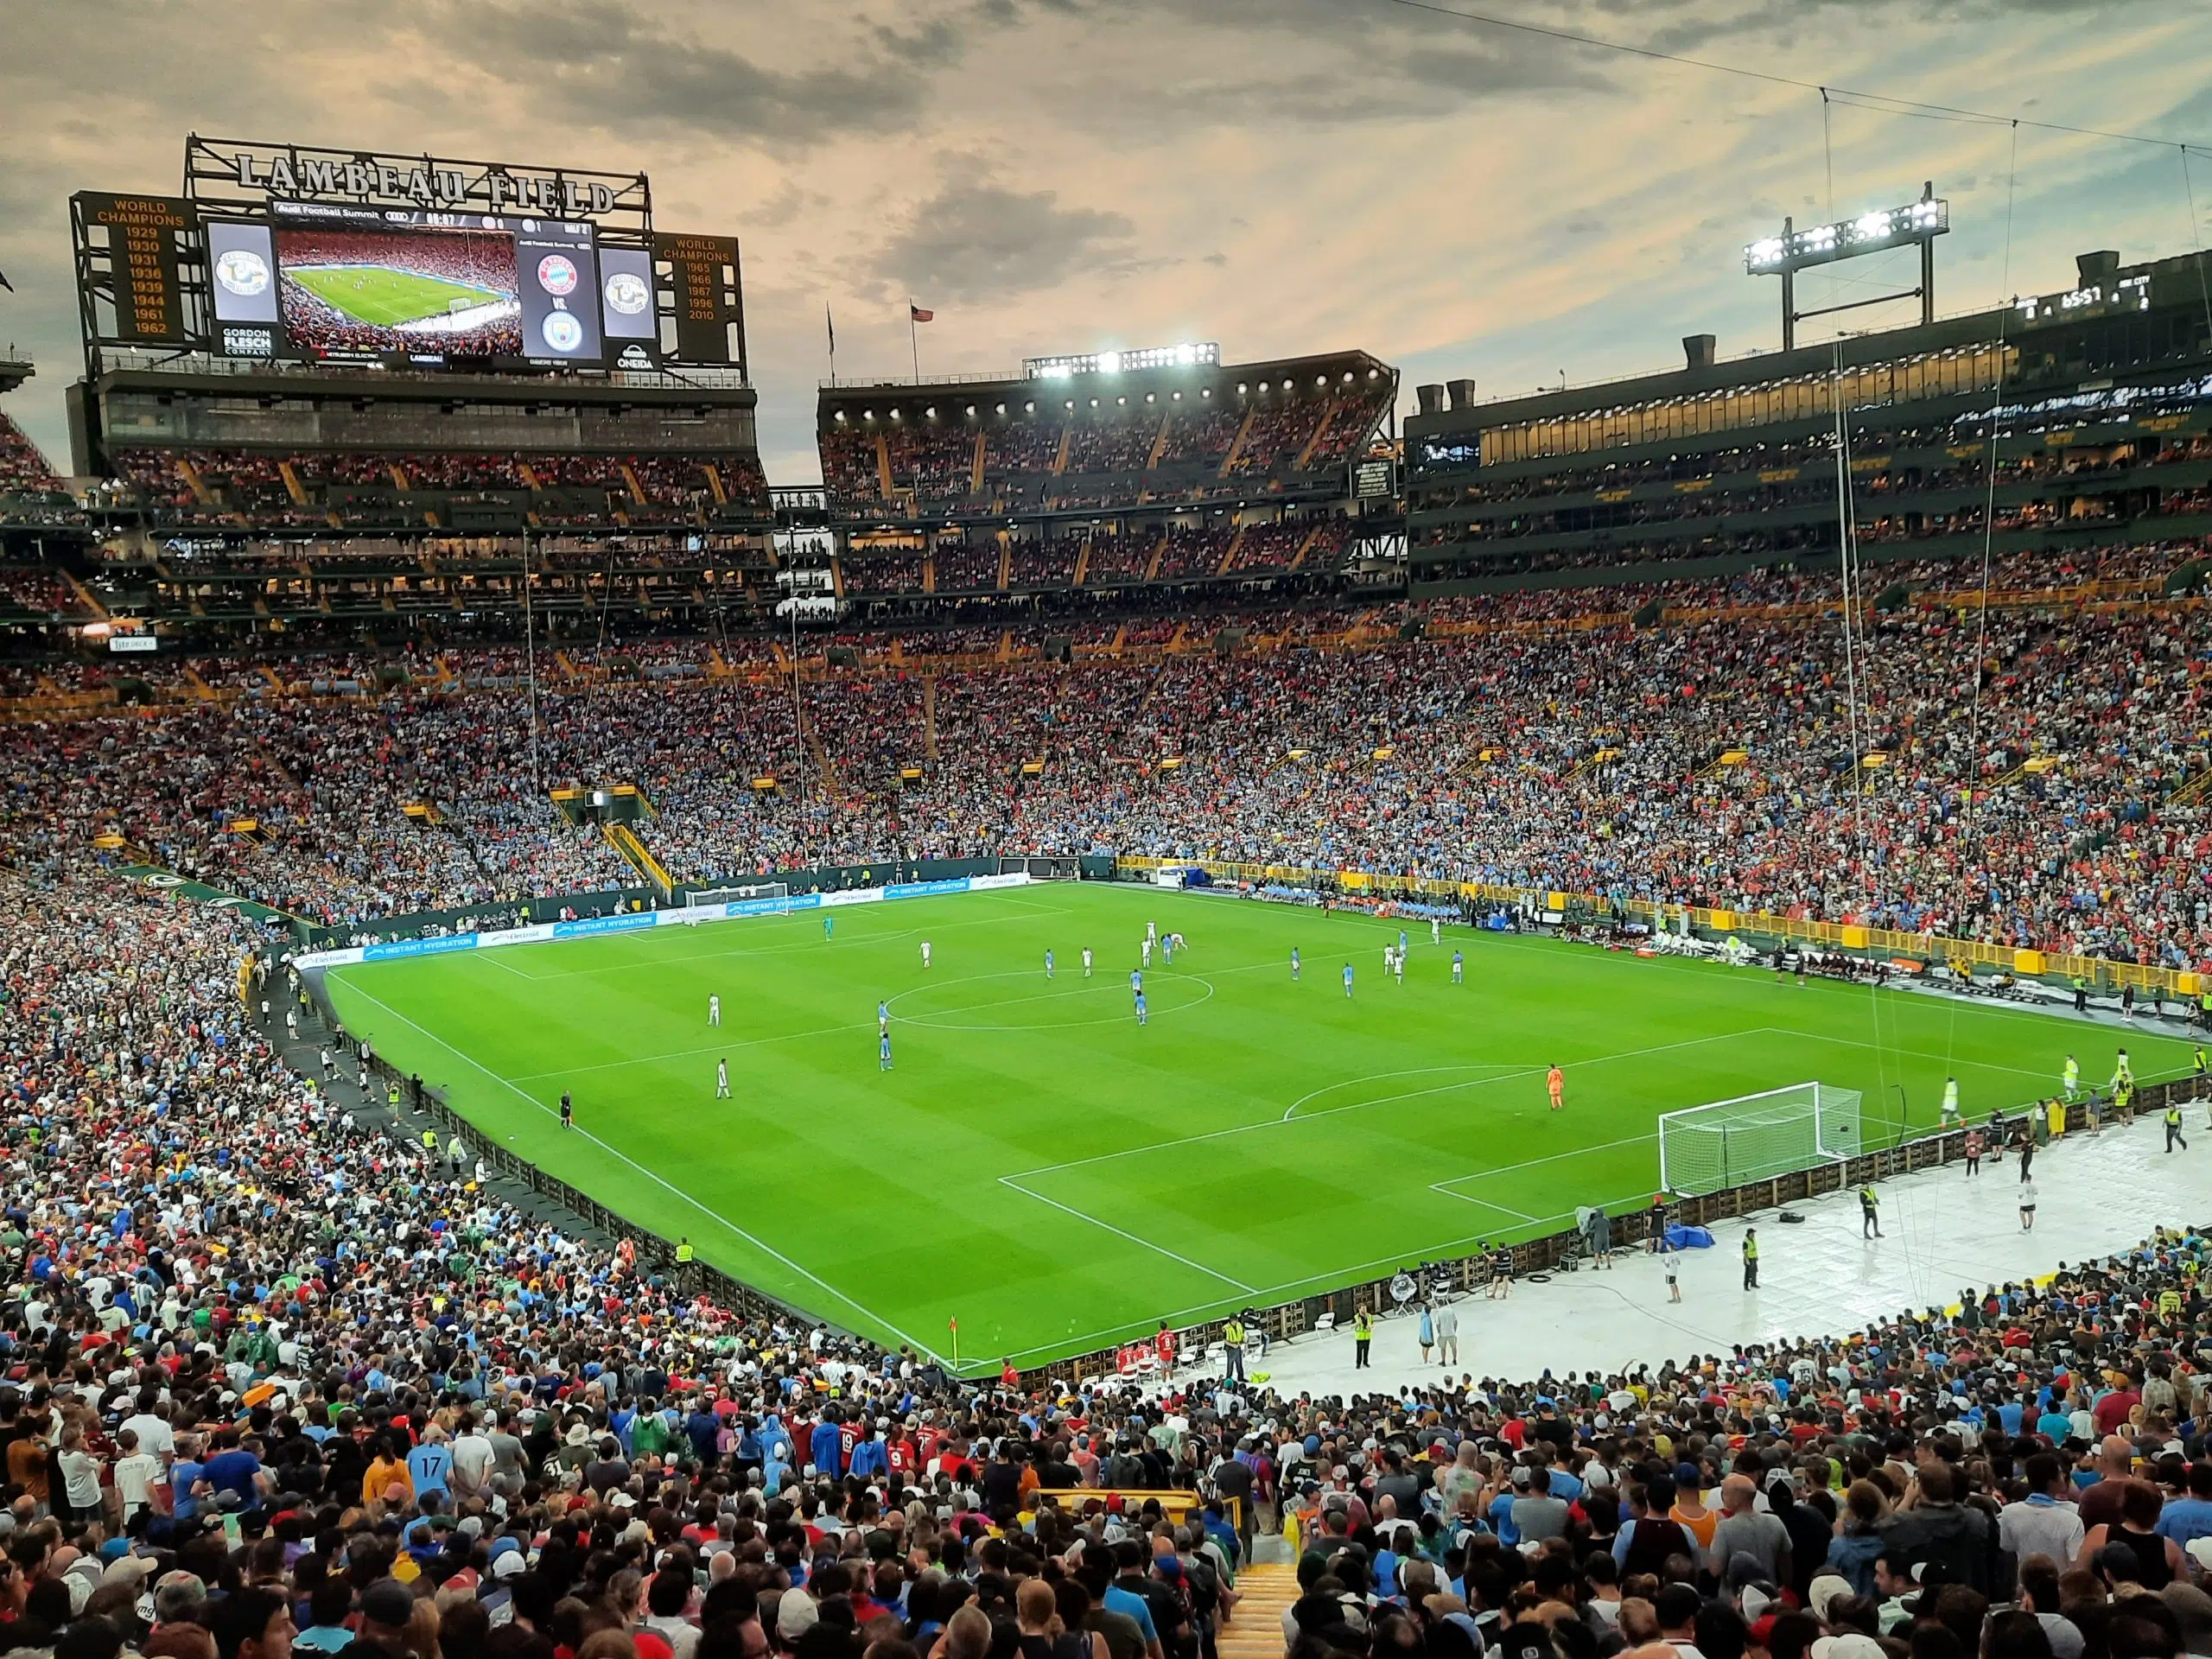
383 297
1055 1178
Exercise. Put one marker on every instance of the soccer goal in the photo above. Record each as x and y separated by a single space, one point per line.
780 891
1756 1137
1042 869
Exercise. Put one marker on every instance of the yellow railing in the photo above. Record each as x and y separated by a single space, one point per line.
2101 974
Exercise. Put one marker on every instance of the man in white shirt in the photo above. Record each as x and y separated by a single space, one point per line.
2045 1522
154 1436
136 1474
471 1460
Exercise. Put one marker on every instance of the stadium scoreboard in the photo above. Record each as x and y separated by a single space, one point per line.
302 256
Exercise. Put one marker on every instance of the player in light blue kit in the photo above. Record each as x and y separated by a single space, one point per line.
1402 941
1294 965
829 925
883 1051
1136 981
1458 969
1048 962
1347 979
1142 1017
882 1019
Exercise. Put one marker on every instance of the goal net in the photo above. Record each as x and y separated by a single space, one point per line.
705 896
1041 869
1756 1137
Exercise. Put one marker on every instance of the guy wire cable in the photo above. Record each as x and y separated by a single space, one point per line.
1853 599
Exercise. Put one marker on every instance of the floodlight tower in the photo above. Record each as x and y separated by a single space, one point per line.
1794 251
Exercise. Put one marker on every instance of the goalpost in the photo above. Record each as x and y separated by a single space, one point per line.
780 891
1756 1137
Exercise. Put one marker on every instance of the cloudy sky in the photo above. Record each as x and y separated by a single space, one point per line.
1280 176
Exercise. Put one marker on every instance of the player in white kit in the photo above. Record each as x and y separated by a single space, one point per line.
1086 962
925 953
713 1010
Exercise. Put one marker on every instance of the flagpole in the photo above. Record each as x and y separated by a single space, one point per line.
830 317
914 338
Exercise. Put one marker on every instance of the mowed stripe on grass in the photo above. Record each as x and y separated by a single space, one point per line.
1041 1168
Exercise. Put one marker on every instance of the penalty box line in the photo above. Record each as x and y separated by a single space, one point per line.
666 1186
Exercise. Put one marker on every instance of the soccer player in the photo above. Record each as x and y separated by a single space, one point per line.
1347 979
2121 1073
1555 1081
925 956
568 1110
1435 930
1950 1106
1147 947
829 925
1136 981
1048 962
1142 1016
883 1051
714 1011
1167 951
1086 962
1402 941
882 1018
722 1078
1458 969
1398 966
1294 965
1151 931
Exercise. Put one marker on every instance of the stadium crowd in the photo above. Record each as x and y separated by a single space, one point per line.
1887 783
279 1378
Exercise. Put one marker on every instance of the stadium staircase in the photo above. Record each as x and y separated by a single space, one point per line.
190 475
1060 455
1313 440
1264 1591
1159 443
715 487
1229 555
1603 757
928 573
1721 763
1244 430
1081 562
1158 552
293 488
2193 791
883 467
84 594
2034 767
1005 564
975 466
624 841
199 687
1305 547
637 489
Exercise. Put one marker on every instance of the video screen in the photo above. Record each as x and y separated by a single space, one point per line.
366 285
351 293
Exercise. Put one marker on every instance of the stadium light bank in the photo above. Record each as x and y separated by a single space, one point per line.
1189 354
1920 222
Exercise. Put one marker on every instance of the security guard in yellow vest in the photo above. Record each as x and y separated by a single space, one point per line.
1232 1349
2173 1128
1751 1258
1362 1333
685 1254
430 1144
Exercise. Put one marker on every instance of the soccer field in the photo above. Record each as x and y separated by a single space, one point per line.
383 297
1054 1177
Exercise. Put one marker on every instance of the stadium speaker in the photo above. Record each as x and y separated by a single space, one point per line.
1059 648
1646 614
1698 351
1412 628
1228 642
1463 393
844 657
1892 598
1431 399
